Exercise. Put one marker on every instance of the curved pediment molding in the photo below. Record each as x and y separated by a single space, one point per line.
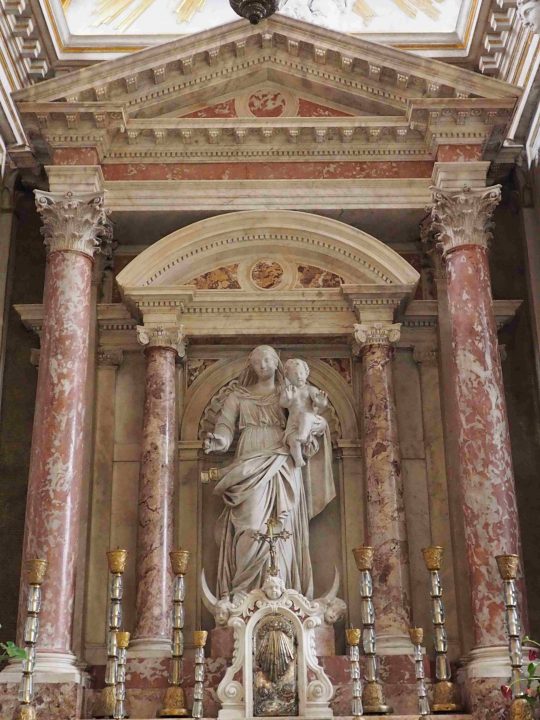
243 239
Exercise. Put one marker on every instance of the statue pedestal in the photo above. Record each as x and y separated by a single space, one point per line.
274 668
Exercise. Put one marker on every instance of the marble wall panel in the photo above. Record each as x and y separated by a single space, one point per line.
123 532
411 437
438 490
100 510
409 405
419 536
130 399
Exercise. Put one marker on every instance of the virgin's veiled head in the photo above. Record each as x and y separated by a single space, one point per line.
263 362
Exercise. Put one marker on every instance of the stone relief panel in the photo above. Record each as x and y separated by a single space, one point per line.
267 274
275 691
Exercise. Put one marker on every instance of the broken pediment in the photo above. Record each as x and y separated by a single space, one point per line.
232 90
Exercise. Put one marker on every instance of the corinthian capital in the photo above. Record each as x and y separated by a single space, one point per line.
72 222
377 333
164 337
464 218
529 11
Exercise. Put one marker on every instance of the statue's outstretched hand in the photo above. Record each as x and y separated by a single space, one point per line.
214 443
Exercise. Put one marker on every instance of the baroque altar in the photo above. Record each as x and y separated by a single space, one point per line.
371 454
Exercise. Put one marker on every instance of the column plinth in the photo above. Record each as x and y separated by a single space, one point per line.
71 227
156 491
386 527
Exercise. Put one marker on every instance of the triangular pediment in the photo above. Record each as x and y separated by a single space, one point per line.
282 80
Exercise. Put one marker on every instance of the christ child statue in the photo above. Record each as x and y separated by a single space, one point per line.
305 404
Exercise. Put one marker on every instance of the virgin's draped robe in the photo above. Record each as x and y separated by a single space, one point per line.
263 481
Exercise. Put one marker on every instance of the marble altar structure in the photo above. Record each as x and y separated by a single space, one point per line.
286 186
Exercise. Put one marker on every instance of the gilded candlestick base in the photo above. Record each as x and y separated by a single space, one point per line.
106 703
26 712
373 700
521 709
175 704
446 697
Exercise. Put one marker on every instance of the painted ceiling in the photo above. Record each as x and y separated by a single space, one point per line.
423 20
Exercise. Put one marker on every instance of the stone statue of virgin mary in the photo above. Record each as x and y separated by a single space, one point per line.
263 483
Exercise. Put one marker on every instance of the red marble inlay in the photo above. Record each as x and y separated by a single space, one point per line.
75 156
268 170
307 108
226 109
458 153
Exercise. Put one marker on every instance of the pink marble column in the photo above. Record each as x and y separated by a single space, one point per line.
386 528
156 490
52 523
485 463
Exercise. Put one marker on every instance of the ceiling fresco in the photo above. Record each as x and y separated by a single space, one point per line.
144 18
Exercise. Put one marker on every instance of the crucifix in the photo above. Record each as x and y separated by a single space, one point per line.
272 537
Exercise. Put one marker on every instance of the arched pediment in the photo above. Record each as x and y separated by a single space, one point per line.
233 244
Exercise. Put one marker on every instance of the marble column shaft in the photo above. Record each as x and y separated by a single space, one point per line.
485 463
156 486
386 527
52 522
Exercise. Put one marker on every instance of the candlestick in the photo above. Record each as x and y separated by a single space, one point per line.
199 640
117 565
35 571
417 638
122 643
445 692
520 708
175 701
353 641
372 695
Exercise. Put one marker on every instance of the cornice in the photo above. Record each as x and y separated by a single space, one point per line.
407 111
117 327
300 39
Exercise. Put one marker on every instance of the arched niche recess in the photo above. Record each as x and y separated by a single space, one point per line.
159 286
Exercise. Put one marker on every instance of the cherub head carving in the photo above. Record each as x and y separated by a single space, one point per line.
273 587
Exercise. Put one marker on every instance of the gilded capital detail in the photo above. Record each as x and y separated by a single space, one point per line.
72 222
464 218
161 336
377 333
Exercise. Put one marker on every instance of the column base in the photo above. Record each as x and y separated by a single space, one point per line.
487 669
394 645
149 648
51 667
